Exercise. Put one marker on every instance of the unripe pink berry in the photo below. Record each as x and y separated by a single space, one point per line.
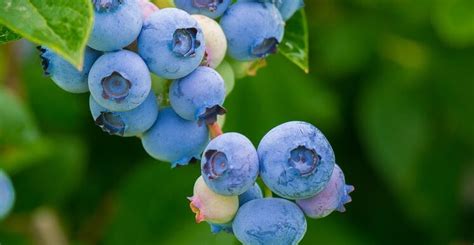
211 207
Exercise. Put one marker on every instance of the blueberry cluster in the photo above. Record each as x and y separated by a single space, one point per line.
295 161
134 44
7 195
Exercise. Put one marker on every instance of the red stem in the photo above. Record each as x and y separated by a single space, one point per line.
215 130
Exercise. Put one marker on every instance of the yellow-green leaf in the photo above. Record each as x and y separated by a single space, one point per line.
295 45
6 35
61 25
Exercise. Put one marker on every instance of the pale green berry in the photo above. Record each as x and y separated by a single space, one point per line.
216 43
227 73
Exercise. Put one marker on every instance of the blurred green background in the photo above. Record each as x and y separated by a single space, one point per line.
391 85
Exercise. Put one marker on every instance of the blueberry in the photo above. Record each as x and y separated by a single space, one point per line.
287 8
253 30
119 81
127 123
65 75
333 197
212 207
216 43
7 195
251 194
198 96
255 192
296 160
210 8
171 43
229 164
117 24
269 221
175 140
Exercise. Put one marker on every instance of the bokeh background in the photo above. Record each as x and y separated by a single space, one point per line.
391 85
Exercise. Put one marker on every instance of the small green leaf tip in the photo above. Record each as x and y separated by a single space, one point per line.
295 44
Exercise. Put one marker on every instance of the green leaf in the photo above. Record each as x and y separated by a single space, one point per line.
6 35
61 25
295 45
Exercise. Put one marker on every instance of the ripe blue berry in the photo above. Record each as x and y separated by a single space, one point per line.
269 221
7 195
119 81
333 197
127 123
255 192
175 140
117 24
210 8
229 164
296 160
198 96
65 75
253 30
171 43
287 8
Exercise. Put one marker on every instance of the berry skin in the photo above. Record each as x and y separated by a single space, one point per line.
147 8
287 8
269 221
175 140
255 192
212 207
65 75
227 73
296 160
251 194
216 43
127 123
198 96
7 195
119 81
117 24
229 164
333 197
171 43
210 8
253 30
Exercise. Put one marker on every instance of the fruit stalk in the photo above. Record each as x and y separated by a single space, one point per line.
215 130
